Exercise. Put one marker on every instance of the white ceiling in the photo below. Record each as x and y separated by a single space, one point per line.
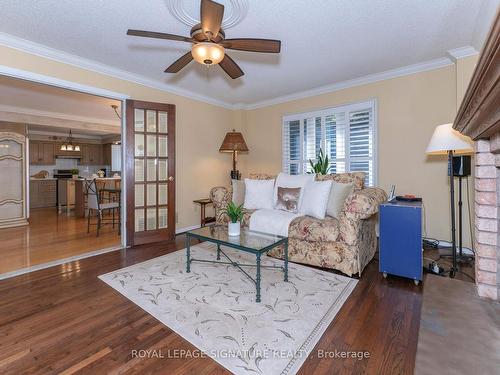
323 41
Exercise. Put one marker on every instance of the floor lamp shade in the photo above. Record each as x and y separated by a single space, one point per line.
445 139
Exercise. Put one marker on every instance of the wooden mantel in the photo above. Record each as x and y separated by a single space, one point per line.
479 113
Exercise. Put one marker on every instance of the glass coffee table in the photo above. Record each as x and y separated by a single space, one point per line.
256 243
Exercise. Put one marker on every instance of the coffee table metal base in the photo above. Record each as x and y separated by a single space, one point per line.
240 266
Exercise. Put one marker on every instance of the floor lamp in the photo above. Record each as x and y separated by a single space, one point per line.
447 141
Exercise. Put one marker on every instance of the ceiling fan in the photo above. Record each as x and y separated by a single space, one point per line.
209 42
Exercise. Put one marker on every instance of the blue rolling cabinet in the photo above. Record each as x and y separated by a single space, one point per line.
400 243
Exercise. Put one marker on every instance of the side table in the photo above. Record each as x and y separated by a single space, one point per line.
204 220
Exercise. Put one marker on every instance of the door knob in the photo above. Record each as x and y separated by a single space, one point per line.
171 178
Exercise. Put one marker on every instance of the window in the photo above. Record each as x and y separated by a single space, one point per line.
346 134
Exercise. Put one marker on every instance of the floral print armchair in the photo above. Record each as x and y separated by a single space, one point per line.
346 244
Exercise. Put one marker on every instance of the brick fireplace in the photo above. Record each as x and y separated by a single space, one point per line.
487 216
479 118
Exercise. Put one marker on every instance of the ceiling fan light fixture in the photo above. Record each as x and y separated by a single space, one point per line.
207 53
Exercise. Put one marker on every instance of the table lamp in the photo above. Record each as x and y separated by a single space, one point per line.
234 142
447 141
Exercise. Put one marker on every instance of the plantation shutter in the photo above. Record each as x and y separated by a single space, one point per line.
361 143
335 147
291 146
346 134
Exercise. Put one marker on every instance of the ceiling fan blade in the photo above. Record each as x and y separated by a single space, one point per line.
211 14
180 63
230 67
157 35
253 45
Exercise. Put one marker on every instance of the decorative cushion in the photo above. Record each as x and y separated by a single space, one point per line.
338 196
310 229
288 199
258 194
315 198
238 192
292 181
357 178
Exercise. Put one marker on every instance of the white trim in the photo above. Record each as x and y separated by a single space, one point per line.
84 63
80 62
186 229
53 81
460 53
58 262
389 74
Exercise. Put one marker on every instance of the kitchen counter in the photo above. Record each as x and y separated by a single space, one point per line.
42 179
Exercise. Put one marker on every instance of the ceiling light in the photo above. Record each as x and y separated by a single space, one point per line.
207 53
68 145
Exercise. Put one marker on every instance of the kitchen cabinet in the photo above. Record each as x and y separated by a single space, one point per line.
42 153
43 193
106 154
91 154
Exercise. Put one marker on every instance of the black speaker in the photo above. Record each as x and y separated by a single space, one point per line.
461 166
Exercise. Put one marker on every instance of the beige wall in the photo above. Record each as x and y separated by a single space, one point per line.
200 128
409 108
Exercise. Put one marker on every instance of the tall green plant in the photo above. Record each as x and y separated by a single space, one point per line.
322 165
234 212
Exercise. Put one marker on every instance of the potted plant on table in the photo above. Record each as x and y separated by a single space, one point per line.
235 214
75 172
322 165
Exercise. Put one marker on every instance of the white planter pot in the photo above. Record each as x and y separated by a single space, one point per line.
233 229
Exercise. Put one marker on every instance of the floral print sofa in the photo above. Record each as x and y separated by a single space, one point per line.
346 244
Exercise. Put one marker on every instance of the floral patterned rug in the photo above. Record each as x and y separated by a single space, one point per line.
214 307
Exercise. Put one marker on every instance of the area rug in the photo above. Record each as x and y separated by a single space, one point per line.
459 332
214 307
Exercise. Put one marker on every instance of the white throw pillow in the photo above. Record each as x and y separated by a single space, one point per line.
238 192
258 194
293 181
315 198
338 195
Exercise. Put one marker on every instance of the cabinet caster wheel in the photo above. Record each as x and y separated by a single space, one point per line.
385 275
416 282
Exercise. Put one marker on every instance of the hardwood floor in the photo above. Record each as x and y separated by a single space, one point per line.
51 236
65 320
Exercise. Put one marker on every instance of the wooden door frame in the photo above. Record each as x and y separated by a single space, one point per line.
129 165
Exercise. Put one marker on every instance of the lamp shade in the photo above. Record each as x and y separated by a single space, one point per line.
233 141
445 139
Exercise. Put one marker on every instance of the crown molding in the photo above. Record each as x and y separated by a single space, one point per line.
41 50
84 63
371 78
461 52
62 116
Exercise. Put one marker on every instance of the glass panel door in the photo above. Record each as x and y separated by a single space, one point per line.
152 134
